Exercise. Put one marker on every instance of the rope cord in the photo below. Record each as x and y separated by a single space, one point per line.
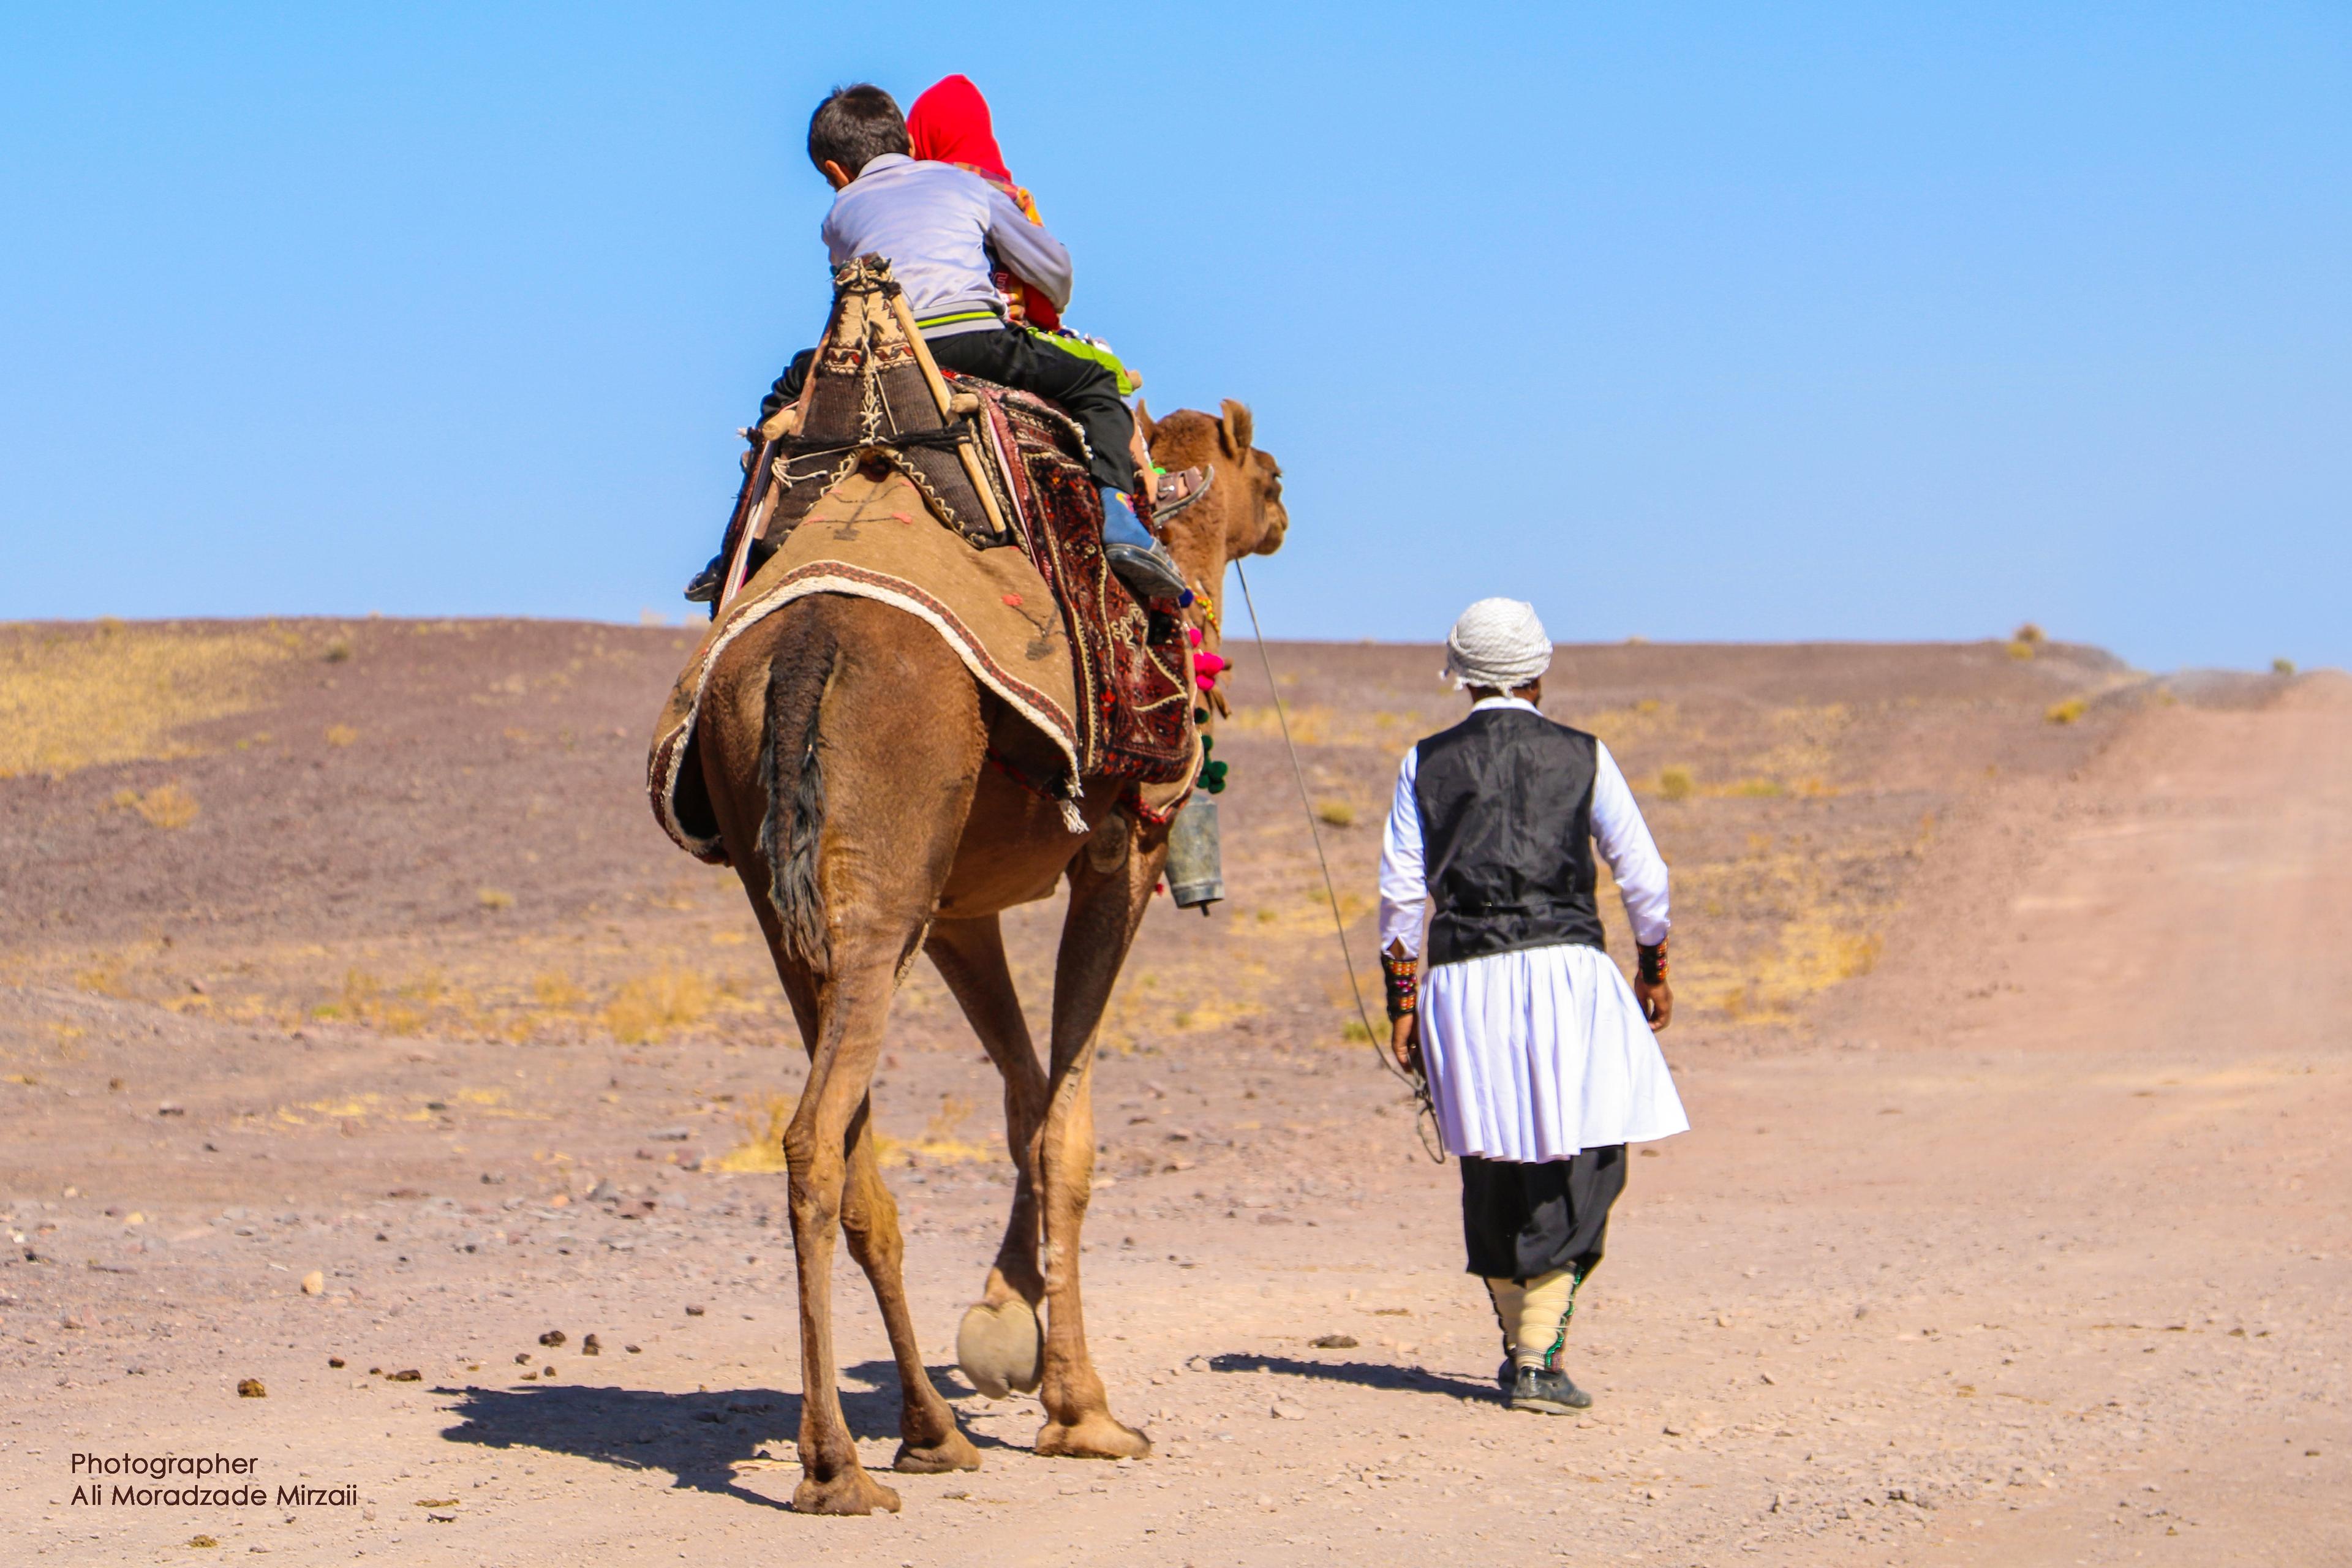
1425 1117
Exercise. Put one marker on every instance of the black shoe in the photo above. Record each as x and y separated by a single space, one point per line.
1546 1393
1148 571
703 587
1506 1374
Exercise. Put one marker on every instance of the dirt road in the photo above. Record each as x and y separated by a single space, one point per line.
2029 1246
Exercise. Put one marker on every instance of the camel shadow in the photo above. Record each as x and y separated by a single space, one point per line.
697 1437
1362 1373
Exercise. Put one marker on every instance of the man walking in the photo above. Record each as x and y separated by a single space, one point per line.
1540 1060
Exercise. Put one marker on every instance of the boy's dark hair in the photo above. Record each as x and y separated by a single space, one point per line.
854 126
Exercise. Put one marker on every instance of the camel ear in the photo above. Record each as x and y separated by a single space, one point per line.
1236 428
1144 423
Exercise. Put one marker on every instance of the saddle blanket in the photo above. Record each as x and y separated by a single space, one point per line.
874 538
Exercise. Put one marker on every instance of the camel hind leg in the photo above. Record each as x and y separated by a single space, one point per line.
813 736
929 1439
1000 1345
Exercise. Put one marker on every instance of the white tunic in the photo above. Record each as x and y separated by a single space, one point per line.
1542 1052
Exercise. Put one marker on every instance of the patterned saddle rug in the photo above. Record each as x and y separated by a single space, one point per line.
1132 664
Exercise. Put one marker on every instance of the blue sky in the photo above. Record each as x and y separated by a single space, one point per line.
1691 323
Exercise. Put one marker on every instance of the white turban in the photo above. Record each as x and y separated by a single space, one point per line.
1498 643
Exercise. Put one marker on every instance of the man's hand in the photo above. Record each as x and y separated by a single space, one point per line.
1404 1042
1657 1002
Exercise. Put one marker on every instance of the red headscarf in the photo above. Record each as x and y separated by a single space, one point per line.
949 124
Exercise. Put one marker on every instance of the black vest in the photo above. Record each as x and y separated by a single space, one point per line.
1506 802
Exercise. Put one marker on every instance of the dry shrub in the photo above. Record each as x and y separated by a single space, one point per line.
103 978
551 988
494 897
1756 789
1335 813
762 1149
1676 784
2281 667
70 698
338 650
167 807
364 1001
340 734
953 1110
652 1005
2067 712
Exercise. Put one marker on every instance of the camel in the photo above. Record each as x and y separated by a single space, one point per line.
876 824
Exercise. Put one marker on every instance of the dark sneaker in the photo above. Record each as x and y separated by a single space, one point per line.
703 587
1506 1374
1148 571
1546 1393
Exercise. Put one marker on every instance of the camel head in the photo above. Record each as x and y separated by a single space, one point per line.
1242 513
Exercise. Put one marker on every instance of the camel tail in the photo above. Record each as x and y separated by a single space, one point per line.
791 774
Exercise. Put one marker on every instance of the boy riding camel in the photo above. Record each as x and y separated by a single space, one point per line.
944 230
1541 1059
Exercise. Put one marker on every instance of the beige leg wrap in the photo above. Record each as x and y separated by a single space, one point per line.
1535 1315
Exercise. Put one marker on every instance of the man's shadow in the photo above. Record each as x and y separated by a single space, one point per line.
697 1437
1363 1374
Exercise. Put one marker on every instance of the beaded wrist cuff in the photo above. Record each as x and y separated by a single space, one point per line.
1401 977
1650 963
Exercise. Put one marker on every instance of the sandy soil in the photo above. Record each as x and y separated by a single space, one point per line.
2011 1228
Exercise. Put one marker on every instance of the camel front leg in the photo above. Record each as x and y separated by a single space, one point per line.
999 1344
1106 908
930 1440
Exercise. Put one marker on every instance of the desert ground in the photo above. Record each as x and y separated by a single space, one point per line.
362 1035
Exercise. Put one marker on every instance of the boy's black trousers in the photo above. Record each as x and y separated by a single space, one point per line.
1011 357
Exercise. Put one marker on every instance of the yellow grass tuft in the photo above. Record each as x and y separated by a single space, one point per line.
1335 813
167 807
494 897
71 699
340 734
2067 712
552 989
652 1005
1755 789
2281 667
1676 784
762 1149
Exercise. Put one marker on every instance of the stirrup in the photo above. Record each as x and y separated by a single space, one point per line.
1173 493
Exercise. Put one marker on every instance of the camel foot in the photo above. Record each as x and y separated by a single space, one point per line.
952 1452
1094 1436
1002 1349
851 1492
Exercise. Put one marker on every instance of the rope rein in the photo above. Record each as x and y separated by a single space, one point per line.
1425 1114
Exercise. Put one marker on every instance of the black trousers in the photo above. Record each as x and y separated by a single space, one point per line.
1519 1221
1011 357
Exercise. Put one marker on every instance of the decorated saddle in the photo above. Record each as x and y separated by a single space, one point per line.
969 505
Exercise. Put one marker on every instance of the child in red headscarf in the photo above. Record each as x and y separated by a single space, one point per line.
949 123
